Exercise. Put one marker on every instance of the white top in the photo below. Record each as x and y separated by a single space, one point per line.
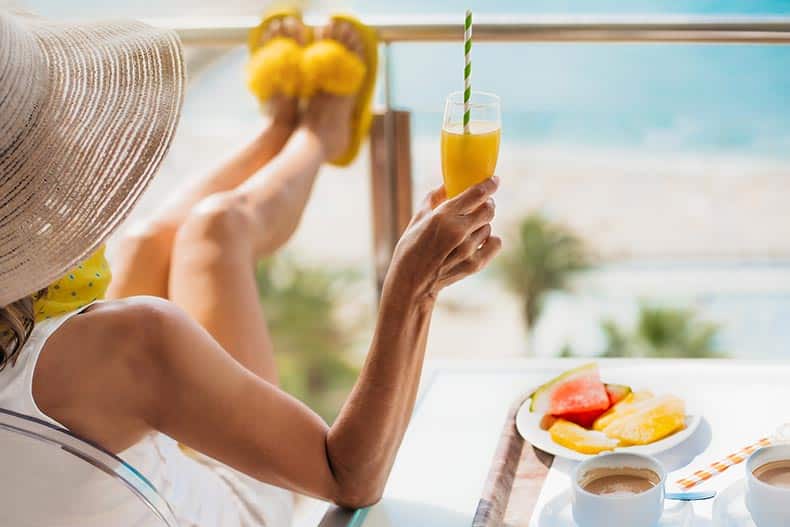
201 491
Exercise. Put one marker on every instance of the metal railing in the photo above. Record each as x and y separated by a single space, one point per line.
390 134
520 28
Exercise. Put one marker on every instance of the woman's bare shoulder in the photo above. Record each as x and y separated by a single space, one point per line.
94 372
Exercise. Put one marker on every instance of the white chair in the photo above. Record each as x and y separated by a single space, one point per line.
51 478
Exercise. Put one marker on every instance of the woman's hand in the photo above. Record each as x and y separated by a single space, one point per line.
446 241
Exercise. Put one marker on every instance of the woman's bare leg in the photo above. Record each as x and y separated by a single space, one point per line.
214 255
142 265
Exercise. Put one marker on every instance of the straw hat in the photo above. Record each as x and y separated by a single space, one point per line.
87 113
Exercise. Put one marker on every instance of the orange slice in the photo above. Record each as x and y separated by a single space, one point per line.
573 436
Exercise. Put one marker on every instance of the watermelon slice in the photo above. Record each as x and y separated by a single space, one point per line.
615 392
577 391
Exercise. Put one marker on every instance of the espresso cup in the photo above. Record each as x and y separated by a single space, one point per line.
639 509
768 504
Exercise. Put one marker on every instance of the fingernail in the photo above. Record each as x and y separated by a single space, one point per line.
495 179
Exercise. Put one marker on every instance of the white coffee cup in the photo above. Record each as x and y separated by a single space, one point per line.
769 505
643 509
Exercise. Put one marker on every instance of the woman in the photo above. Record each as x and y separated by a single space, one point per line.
87 114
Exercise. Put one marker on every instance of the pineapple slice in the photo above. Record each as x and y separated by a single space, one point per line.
647 421
573 436
624 407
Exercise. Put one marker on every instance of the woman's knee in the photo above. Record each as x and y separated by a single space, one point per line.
222 219
147 240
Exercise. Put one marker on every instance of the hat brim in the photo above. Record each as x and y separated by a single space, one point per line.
113 99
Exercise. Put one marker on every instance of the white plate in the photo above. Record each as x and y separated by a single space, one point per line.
528 425
729 509
557 513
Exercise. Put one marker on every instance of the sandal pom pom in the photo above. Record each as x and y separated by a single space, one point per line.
328 66
275 68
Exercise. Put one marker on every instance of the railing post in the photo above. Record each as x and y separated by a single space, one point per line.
390 184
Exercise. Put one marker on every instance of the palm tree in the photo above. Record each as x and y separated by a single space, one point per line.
311 344
663 332
542 258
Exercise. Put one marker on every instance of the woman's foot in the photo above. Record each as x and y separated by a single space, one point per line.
327 115
282 109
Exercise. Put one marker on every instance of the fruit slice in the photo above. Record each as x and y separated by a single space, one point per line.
624 407
648 421
573 436
575 391
617 392
583 419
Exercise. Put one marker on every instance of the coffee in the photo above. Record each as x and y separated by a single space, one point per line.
775 473
619 481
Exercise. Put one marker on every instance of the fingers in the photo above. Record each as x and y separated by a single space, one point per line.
454 228
474 196
436 197
480 216
476 262
468 248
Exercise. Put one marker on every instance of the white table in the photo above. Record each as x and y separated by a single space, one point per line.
444 460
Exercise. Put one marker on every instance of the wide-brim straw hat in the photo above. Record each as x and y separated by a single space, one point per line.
87 112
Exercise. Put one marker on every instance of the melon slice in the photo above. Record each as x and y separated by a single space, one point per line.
575 391
624 407
573 436
617 392
648 421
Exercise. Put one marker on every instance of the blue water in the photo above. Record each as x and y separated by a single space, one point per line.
698 98
672 97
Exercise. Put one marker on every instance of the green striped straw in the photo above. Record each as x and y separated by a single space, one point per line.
467 68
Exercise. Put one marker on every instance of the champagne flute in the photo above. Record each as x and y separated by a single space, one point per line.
469 154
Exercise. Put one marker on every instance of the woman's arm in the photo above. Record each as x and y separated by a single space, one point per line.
178 380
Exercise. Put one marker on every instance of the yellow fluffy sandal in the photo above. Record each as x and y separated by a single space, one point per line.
275 66
329 67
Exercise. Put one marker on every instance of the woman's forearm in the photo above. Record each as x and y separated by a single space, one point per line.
362 443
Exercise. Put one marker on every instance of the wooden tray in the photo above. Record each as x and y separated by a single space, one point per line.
517 473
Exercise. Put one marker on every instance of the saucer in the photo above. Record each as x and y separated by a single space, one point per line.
557 513
729 509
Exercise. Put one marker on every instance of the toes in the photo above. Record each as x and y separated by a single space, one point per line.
356 45
275 28
322 32
294 28
289 26
345 33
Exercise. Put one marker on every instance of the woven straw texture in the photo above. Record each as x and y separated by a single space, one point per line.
87 112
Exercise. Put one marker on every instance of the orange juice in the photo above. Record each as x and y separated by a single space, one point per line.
468 159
